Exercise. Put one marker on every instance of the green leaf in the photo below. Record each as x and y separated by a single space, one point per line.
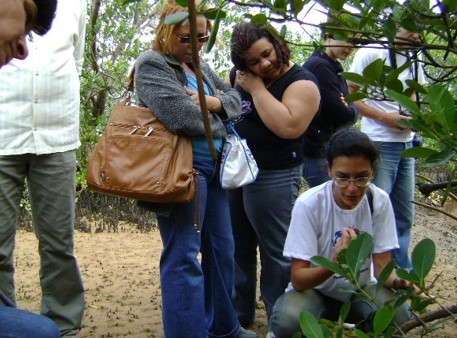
182 3
409 276
260 19
355 97
374 71
361 334
176 18
215 30
389 28
422 258
310 326
356 78
440 158
418 152
384 275
403 100
344 311
325 263
283 31
382 319
358 251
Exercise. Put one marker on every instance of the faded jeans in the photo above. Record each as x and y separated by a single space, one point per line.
261 213
51 187
196 297
285 323
315 171
395 175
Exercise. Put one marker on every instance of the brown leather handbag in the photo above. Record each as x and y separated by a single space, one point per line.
138 157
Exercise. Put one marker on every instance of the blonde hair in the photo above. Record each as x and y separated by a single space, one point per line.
162 42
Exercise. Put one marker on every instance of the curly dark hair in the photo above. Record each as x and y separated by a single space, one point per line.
245 34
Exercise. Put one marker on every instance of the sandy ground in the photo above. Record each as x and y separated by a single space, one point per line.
121 278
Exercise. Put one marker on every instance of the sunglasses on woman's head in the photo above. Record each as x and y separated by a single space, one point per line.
186 39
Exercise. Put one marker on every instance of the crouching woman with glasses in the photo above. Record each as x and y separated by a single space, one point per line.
324 221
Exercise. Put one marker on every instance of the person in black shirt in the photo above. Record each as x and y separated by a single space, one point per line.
335 112
278 103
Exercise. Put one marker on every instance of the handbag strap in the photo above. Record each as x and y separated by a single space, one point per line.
130 86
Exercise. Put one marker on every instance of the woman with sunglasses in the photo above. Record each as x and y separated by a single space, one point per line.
324 221
196 293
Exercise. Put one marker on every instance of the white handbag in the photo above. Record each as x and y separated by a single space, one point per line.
238 166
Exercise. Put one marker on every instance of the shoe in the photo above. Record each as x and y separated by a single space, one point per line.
270 334
246 334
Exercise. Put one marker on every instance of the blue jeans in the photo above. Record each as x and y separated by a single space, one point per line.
51 187
396 176
196 298
285 323
19 323
315 171
261 214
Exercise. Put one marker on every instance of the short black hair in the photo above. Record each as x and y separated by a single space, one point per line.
46 11
351 142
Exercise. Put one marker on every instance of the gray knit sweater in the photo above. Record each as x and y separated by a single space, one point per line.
159 81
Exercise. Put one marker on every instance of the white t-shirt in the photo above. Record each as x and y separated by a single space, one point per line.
316 226
378 131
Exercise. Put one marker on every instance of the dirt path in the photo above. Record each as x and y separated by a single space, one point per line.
121 278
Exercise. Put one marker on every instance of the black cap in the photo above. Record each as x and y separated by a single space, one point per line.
46 11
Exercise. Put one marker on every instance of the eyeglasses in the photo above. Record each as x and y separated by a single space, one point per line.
344 182
186 39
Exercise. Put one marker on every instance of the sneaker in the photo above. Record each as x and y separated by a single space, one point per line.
270 334
246 334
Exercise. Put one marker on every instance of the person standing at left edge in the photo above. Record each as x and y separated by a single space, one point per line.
39 118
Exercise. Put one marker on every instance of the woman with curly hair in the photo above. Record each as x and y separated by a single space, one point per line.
278 103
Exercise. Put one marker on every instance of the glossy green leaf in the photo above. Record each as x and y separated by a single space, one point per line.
260 19
390 29
358 251
384 275
355 97
183 3
325 263
442 101
440 158
403 100
374 70
344 311
356 78
382 319
310 326
422 258
215 30
361 334
409 276
418 152
176 18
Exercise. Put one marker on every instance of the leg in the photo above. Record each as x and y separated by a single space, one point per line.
24 324
12 179
268 204
395 176
402 197
284 321
315 171
218 264
245 275
362 311
51 183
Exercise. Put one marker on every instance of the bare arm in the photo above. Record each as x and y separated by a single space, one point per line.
290 117
304 277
